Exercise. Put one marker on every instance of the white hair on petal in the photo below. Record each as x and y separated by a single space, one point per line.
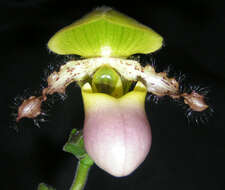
76 71
156 83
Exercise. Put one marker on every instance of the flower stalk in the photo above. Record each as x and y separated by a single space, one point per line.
80 176
75 146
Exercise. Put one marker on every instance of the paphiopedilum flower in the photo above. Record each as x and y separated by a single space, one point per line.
117 134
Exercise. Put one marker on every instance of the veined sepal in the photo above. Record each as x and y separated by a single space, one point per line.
105 33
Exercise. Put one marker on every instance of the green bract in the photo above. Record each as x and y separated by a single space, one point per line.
105 32
43 186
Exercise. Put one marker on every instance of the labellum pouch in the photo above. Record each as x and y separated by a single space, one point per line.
117 134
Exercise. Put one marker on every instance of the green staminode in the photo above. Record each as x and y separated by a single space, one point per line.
105 32
107 80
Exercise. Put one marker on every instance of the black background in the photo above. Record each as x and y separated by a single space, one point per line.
183 156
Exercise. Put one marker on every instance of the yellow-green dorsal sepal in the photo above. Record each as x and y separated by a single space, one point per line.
105 32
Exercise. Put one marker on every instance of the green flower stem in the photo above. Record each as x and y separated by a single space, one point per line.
75 146
81 176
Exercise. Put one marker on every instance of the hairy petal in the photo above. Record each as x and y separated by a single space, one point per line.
76 71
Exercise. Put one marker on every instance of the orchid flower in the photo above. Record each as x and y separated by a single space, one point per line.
116 135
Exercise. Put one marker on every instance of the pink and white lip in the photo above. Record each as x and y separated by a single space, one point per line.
117 134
